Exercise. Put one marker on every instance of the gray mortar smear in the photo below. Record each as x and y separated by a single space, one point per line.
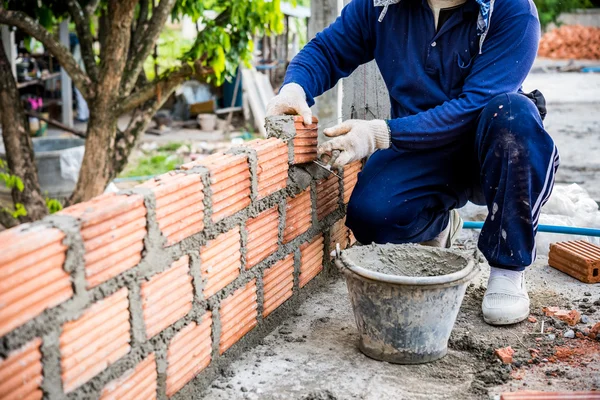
406 259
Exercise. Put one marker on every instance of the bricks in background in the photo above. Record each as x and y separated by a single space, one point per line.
238 315
179 205
272 168
278 282
189 353
229 183
21 373
328 195
350 178
220 261
312 259
305 141
137 383
95 340
32 278
577 258
298 216
167 297
263 232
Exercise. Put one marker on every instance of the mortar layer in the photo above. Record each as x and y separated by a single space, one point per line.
406 259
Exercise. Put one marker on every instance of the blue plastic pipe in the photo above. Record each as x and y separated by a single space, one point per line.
569 230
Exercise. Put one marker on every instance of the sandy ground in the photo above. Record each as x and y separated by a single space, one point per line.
314 354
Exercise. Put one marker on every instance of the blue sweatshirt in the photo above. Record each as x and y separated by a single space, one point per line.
438 82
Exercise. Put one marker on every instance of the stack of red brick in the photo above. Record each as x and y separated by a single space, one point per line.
571 41
174 273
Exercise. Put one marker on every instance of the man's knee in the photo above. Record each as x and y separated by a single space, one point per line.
509 119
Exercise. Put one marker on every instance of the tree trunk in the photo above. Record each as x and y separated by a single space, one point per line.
18 145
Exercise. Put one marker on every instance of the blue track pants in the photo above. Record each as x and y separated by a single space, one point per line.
508 164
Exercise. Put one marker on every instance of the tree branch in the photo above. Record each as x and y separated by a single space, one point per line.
62 54
162 87
86 41
90 9
143 46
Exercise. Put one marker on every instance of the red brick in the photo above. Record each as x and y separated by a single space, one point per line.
167 297
238 314
339 233
263 234
328 196
137 383
350 178
220 261
535 395
179 205
505 354
272 171
578 258
32 278
278 282
298 217
188 354
95 340
113 228
312 259
305 141
21 373
229 182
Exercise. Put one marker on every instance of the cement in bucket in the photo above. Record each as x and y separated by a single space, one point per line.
405 298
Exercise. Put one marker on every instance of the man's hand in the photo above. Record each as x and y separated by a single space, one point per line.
356 140
291 100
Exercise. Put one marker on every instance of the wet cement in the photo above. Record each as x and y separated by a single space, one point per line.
406 259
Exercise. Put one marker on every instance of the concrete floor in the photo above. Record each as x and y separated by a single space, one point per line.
313 355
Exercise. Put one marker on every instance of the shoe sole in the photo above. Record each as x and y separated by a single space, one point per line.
500 322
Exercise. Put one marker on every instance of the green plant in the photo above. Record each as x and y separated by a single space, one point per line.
152 165
11 182
170 147
53 205
550 10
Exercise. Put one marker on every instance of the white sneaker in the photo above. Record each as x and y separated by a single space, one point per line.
447 237
504 301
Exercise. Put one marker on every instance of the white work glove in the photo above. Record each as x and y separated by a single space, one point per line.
291 100
356 139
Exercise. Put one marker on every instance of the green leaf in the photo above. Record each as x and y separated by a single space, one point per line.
19 184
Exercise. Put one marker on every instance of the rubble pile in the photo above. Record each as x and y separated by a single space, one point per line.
571 41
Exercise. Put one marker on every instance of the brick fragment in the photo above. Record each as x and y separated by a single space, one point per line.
137 383
113 228
298 217
32 278
21 373
278 282
578 258
167 297
532 319
238 315
179 205
350 174
220 261
595 331
311 263
505 354
536 395
229 182
571 317
95 340
273 165
328 195
263 232
189 353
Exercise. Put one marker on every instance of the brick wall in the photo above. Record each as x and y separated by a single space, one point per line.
136 294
